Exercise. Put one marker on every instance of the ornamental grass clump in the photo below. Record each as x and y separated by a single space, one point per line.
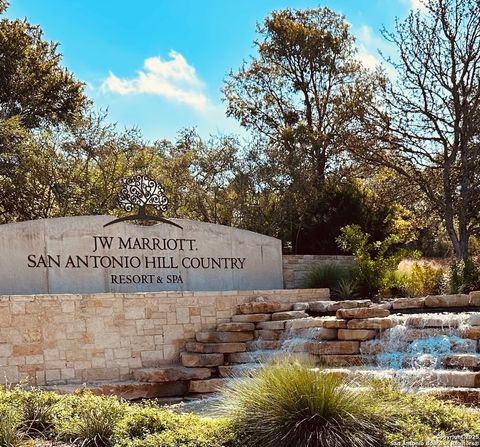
291 404
86 419
9 428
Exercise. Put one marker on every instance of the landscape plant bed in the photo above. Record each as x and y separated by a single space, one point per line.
47 419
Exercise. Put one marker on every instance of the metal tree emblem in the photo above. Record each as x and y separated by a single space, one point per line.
140 191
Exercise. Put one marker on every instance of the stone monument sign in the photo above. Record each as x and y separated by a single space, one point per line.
86 255
92 254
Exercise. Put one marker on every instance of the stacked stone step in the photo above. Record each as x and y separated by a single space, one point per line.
262 329
215 356
212 348
235 341
429 378
353 326
276 324
472 300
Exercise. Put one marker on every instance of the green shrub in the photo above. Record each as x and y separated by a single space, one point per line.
328 276
87 419
345 289
9 427
153 427
423 279
290 404
421 419
462 277
395 284
376 261
143 421
37 410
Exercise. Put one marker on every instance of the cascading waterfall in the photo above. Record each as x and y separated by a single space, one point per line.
421 341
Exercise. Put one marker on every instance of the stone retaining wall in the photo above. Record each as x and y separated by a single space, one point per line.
296 267
48 339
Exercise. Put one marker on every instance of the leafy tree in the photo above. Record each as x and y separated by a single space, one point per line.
343 204
428 124
302 95
376 261
37 95
33 84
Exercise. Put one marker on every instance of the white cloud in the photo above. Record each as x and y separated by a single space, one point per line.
417 4
174 79
367 59
366 41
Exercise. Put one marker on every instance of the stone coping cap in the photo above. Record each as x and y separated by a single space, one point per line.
174 294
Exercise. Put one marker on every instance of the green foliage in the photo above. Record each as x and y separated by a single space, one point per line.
153 427
325 275
9 427
88 419
33 84
422 279
376 261
345 289
462 277
38 410
291 404
303 95
419 418
340 204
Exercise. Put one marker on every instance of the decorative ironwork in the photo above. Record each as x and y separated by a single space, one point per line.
140 191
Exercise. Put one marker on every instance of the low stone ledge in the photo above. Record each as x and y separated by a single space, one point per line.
262 345
235 327
372 323
474 300
223 337
220 348
356 334
334 323
409 303
304 323
271 325
468 396
459 300
372 347
263 307
193 360
315 333
362 313
334 347
268 334
467 361
421 322
333 306
207 386
251 318
171 374
252 357
474 319
290 315
473 333
320 306
416 334
300 306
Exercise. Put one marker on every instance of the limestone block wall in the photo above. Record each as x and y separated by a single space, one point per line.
296 267
52 339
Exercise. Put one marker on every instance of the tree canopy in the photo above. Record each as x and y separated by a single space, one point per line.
302 95
427 124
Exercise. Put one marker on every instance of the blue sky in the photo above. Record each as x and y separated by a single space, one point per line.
160 64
